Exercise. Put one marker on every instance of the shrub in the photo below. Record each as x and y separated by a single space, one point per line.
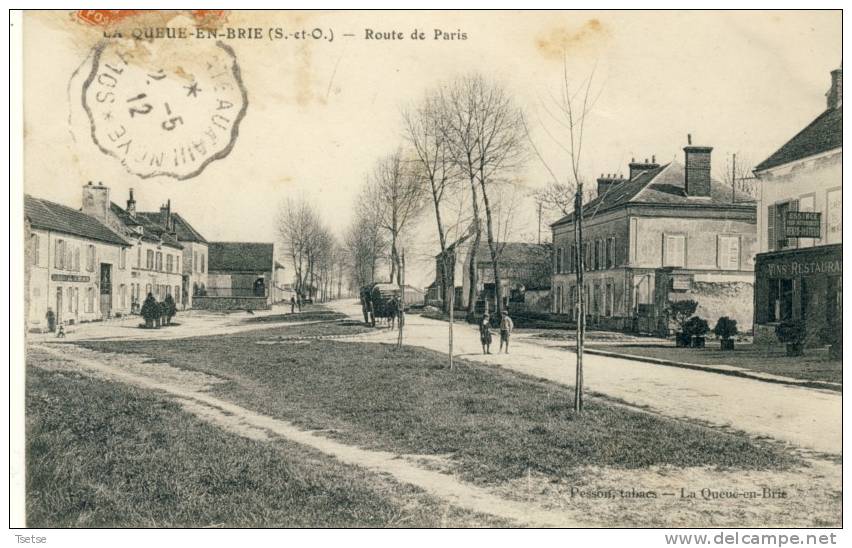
678 312
790 331
696 327
726 328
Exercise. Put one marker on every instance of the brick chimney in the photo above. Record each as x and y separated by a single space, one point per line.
131 205
834 96
166 215
96 200
637 168
697 171
605 183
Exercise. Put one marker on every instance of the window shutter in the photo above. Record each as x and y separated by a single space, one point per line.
794 206
770 227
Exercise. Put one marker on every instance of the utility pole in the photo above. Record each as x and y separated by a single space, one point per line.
401 307
734 180
581 313
539 223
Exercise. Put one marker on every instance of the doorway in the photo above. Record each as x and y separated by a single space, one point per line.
106 290
58 305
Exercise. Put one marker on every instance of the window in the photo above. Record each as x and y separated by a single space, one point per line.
122 258
177 263
149 260
70 292
728 252
572 259
777 225
780 300
139 255
194 266
169 263
90 258
34 249
177 294
834 216
90 299
674 250
76 261
202 263
159 265
610 253
122 292
59 254
608 300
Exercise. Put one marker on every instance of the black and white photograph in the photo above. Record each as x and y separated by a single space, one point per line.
439 269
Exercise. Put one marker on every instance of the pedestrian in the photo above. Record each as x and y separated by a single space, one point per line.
292 304
150 310
485 334
299 302
51 320
169 308
158 314
506 327
61 333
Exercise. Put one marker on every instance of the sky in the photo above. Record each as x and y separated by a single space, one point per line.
321 113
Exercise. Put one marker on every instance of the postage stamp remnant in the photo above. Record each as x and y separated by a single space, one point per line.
164 109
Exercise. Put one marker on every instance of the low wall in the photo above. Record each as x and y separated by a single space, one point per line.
230 303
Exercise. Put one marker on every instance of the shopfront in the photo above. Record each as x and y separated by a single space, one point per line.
798 284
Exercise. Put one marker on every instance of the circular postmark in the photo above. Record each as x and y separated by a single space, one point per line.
164 108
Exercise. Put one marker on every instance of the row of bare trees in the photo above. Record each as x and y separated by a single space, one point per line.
313 250
462 140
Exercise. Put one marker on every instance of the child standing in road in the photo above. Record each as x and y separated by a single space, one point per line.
485 334
506 326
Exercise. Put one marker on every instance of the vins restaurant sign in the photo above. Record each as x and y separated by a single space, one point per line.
802 224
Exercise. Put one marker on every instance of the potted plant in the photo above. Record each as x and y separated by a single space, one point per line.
792 333
677 313
696 328
726 330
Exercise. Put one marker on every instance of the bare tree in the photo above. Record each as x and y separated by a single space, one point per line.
573 107
296 224
737 174
395 195
424 129
364 245
485 132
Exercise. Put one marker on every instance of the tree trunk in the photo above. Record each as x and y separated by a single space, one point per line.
492 246
472 268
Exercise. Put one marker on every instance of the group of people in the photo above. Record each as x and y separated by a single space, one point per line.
157 314
506 327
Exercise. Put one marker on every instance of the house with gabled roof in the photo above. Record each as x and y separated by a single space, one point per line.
524 270
241 276
75 266
799 270
664 233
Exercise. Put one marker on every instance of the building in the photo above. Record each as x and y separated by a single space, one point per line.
76 266
665 233
524 270
800 222
241 276
282 290
195 252
155 258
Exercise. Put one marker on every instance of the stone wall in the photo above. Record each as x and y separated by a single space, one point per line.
230 303
731 299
